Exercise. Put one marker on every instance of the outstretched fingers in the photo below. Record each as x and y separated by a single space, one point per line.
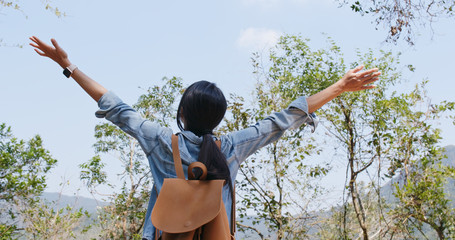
40 53
34 39
369 80
368 87
34 45
38 42
54 42
38 49
369 72
43 48
357 69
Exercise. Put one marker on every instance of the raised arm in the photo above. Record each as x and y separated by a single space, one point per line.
352 81
58 55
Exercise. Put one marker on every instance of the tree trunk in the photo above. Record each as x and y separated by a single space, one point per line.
360 212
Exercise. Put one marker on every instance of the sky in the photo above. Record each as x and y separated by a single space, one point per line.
130 45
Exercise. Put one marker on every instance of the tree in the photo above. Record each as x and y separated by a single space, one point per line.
353 120
421 189
276 186
370 128
23 169
403 17
46 220
340 222
124 217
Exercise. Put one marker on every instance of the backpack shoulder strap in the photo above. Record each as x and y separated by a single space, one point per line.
233 222
176 156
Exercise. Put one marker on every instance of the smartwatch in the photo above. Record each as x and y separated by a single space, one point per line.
68 71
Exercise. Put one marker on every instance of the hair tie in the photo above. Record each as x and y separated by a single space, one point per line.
207 132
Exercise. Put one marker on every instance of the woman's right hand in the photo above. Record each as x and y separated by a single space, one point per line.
54 52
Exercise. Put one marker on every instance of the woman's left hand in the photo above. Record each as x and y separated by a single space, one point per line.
355 80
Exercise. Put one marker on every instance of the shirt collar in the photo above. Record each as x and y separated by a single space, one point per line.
192 137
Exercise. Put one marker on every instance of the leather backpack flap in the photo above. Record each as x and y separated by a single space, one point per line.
185 205
218 228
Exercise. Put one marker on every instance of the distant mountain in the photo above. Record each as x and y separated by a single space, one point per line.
450 153
450 161
388 188
61 200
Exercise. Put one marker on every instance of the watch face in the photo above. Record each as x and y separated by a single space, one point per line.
67 73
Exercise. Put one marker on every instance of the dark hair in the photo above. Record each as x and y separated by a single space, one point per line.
201 109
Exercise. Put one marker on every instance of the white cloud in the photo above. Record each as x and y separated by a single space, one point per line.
258 38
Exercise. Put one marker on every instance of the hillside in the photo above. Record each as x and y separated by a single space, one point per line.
450 153
450 161
388 188
88 204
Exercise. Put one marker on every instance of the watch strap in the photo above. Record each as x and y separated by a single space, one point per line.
68 71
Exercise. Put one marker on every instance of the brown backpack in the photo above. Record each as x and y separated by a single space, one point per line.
191 209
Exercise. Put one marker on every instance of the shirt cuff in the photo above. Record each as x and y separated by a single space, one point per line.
302 104
106 103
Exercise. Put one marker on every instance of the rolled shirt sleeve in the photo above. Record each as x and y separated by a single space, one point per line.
271 128
129 120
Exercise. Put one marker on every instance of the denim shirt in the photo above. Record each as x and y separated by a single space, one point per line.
155 141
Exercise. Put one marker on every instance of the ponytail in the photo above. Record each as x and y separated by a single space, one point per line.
215 161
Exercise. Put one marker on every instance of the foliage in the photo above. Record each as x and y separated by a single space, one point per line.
123 218
421 192
8 231
45 220
16 5
371 128
403 17
23 165
330 226
276 184
23 169
356 121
